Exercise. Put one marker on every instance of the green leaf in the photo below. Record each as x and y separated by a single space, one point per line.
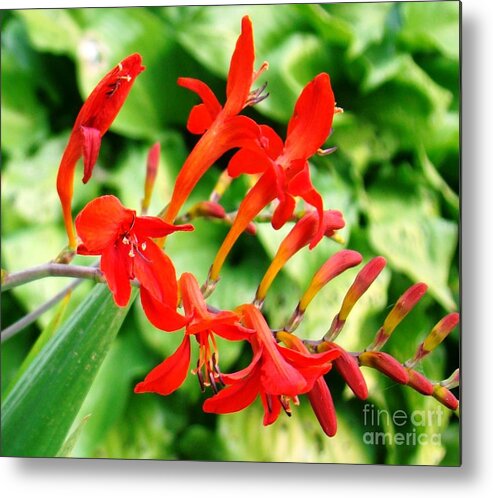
110 391
431 26
68 447
295 439
406 228
39 411
24 119
41 341
52 30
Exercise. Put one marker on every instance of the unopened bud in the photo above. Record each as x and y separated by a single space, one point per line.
386 364
334 266
348 368
419 383
445 397
439 332
402 307
207 209
362 282
323 406
151 172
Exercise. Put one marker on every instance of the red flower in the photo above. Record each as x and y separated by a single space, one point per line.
275 373
221 127
124 242
203 324
319 396
284 166
95 117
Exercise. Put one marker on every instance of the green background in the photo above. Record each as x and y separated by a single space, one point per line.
394 69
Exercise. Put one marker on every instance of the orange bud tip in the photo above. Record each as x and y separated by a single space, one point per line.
403 306
445 397
386 364
361 284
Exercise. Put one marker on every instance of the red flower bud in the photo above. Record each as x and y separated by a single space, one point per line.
386 364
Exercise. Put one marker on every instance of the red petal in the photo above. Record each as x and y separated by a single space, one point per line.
199 120
240 70
283 212
170 374
161 315
105 101
348 368
323 407
235 397
272 408
151 226
249 162
311 122
238 131
301 185
102 221
233 332
204 92
115 266
271 142
156 273
278 376
90 150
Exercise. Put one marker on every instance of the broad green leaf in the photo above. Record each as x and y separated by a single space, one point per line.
142 433
406 228
39 411
432 26
29 188
24 118
295 439
367 21
110 392
53 30
68 447
41 341
155 99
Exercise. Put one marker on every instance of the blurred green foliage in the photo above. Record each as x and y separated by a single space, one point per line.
395 175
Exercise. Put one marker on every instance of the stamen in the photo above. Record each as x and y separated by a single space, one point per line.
131 253
143 246
125 241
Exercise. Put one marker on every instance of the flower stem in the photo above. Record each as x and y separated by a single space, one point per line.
50 270
25 321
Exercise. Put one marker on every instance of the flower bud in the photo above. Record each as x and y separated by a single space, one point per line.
386 364
402 307
334 266
419 382
348 368
439 332
151 172
445 397
362 282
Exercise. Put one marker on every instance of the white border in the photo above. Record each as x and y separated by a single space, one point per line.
85 478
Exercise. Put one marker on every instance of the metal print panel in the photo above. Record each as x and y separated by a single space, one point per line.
231 233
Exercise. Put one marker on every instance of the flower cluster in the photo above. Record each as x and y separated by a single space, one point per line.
282 366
